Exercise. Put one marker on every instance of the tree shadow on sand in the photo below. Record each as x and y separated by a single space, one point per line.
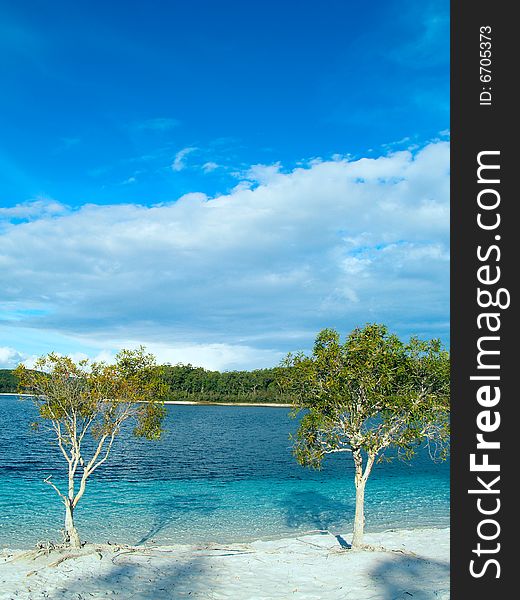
177 508
138 578
312 510
401 577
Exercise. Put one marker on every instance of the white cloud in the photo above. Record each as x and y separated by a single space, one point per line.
234 280
212 356
33 209
10 358
179 163
262 174
209 166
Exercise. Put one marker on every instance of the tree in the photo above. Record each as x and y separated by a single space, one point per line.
8 382
78 401
368 395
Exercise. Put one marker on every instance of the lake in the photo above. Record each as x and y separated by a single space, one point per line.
220 473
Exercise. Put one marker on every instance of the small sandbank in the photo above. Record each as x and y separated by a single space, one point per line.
414 564
269 404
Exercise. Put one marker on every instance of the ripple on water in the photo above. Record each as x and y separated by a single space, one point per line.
219 474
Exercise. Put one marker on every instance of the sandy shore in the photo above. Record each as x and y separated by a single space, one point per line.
190 402
413 566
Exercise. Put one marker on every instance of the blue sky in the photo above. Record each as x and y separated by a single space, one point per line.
152 116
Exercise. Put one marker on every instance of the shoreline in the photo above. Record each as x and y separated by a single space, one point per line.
211 541
193 402
404 563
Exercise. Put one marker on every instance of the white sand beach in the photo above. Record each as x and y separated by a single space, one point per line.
264 404
413 566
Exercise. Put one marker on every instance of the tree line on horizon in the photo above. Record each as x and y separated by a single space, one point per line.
185 382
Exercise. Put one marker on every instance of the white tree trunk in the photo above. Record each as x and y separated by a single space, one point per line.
71 533
360 480
359 517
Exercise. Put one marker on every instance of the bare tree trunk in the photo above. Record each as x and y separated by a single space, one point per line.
360 481
71 533
359 516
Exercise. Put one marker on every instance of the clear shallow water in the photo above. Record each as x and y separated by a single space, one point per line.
221 473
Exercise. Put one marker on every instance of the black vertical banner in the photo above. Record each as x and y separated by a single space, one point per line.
484 269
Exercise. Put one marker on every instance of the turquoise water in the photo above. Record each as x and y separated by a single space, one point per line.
221 473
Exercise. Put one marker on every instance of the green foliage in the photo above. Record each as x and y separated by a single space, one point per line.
368 394
8 381
96 398
186 382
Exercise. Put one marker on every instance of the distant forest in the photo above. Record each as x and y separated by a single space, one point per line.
8 382
186 382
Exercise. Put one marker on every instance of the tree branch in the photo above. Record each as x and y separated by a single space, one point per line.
48 480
